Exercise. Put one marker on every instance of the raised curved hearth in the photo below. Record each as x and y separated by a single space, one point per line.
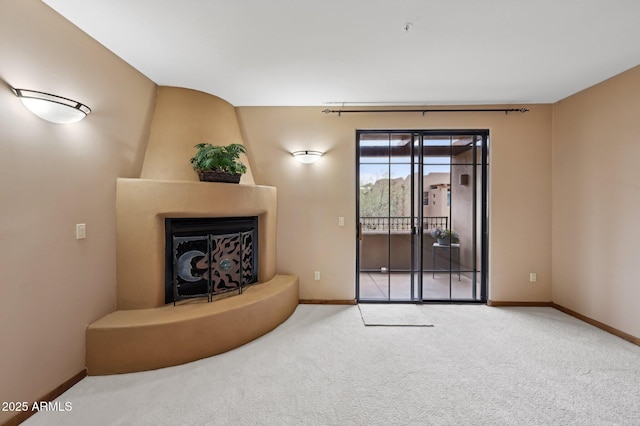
147 339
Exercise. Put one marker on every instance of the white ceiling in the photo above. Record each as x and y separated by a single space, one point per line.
318 52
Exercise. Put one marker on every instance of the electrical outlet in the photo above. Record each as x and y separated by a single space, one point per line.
81 231
533 277
316 275
341 221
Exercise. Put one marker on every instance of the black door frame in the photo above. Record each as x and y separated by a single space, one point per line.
484 211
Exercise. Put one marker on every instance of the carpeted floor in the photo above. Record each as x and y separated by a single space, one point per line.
393 315
476 366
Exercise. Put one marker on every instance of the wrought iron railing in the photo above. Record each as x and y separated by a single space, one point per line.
402 223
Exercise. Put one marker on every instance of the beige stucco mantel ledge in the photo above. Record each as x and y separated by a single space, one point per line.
147 339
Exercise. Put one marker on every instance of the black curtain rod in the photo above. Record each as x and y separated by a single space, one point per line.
424 111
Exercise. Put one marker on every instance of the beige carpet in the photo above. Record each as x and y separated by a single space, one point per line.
393 315
478 365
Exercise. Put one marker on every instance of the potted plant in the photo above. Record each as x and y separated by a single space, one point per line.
219 163
445 237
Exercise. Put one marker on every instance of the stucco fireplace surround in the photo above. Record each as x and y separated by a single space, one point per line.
142 205
145 333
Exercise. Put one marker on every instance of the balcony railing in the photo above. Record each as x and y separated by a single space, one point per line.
402 223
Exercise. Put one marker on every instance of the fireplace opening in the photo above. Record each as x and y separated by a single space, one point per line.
207 257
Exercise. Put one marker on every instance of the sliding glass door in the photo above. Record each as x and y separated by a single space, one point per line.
422 210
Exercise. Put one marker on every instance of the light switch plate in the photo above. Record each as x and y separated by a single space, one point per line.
81 231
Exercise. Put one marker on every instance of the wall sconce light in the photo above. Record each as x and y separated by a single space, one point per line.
55 109
307 157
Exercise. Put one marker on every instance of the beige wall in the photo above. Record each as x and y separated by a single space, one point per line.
596 202
439 195
391 250
312 197
52 177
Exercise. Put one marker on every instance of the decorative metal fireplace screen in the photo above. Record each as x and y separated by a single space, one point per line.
206 257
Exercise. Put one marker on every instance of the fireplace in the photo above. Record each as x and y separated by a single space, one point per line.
208 257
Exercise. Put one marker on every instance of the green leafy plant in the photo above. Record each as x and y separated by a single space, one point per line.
221 158
445 234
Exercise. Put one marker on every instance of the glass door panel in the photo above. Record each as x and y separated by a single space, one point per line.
436 179
410 185
400 218
417 218
463 214
374 212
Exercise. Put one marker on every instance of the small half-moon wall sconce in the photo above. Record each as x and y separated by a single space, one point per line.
307 157
52 108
